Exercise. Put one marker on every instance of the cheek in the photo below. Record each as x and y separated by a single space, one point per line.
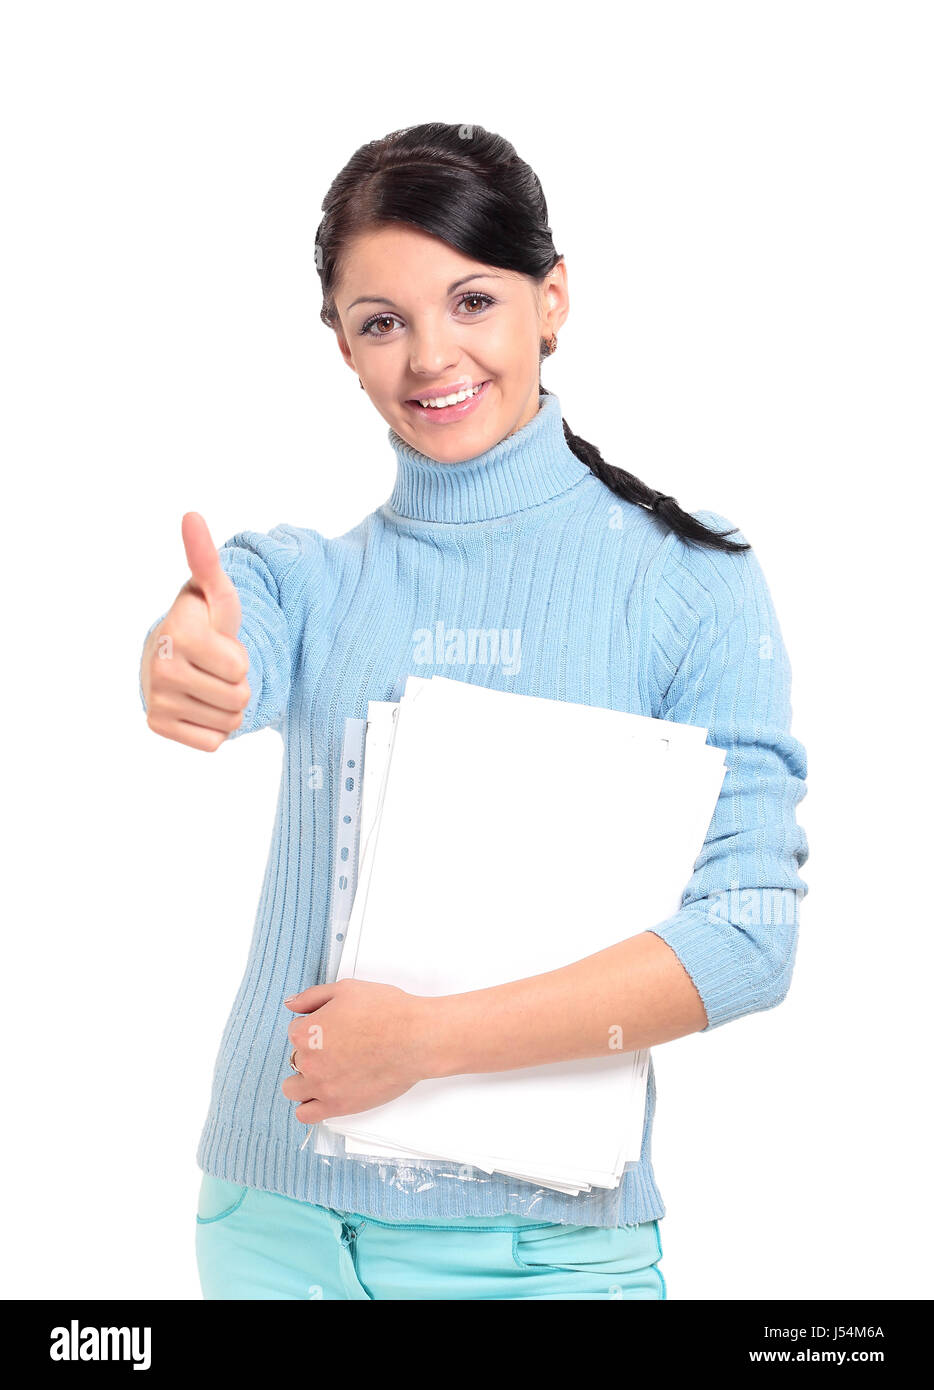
385 375
510 343
382 365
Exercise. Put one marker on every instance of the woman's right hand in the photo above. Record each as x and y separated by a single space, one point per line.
194 670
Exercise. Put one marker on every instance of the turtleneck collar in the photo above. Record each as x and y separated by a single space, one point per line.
523 470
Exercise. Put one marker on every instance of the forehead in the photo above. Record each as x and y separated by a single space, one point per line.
396 259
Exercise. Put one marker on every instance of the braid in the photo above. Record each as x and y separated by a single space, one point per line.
632 489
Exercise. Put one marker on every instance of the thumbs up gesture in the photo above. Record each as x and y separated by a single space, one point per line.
194 670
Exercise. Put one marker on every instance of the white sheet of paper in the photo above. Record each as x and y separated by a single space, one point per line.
501 818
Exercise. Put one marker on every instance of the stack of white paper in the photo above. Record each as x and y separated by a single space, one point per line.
500 836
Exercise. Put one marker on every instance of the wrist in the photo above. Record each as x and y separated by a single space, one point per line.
435 1036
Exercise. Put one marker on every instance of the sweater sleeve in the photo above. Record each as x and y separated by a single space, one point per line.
271 573
720 662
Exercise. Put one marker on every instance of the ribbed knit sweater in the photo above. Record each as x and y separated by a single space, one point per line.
613 609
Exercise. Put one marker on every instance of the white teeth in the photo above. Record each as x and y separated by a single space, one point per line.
440 402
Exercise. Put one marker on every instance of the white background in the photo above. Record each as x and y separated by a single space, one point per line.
742 193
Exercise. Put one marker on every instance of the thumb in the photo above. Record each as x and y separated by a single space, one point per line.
207 572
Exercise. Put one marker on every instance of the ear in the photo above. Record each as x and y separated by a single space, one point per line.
344 349
555 304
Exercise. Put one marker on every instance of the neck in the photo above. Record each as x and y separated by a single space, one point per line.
526 469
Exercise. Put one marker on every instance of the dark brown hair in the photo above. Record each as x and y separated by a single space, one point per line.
469 188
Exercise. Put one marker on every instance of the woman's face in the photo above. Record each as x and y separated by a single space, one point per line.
419 320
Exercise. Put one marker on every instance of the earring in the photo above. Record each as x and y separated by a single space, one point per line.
549 345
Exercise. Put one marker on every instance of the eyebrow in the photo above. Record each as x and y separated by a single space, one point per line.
377 299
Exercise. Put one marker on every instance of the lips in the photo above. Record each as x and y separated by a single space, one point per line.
454 389
434 416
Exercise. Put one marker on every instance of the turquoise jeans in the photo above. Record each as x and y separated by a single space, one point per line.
263 1245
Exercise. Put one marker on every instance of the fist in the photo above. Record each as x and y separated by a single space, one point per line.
194 670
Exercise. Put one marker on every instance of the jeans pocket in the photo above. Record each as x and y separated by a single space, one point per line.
590 1249
218 1199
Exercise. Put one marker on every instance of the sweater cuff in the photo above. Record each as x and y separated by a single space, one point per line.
736 970
254 678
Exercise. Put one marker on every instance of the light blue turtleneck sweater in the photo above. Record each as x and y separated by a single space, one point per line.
614 610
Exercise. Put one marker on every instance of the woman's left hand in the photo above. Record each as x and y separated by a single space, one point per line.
359 1044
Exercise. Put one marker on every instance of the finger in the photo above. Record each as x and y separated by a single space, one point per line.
185 679
209 575
306 1032
201 554
192 735
300 1088
309 999
312 1112
176 704
215 654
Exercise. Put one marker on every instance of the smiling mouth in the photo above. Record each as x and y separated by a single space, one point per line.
442 402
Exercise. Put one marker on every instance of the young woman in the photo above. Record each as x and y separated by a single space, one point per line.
441 282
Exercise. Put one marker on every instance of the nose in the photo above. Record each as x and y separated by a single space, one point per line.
433 351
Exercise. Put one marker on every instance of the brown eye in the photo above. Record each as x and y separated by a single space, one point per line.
367 329
475 296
